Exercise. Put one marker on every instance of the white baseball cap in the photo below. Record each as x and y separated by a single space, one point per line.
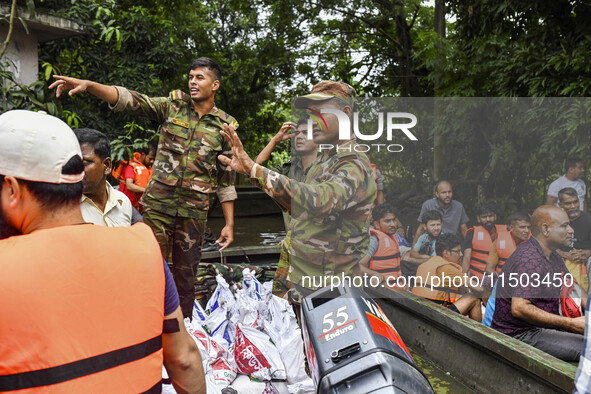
35 146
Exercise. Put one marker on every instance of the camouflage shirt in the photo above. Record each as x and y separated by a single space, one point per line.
295 170
186 168
329 210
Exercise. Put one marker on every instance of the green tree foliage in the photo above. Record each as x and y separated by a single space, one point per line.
273 50
504 48
148 46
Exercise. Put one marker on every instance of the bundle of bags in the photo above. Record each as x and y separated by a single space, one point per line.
249 341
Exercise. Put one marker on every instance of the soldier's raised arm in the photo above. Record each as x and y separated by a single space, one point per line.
73 85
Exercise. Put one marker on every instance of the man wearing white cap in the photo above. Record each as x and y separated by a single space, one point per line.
76 318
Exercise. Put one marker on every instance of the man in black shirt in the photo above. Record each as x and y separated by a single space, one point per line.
577 257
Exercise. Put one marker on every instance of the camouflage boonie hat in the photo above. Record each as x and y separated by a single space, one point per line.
327 90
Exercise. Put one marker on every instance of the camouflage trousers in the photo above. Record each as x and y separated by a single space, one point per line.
180 240
280 284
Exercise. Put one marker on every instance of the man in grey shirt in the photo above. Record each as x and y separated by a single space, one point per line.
453 212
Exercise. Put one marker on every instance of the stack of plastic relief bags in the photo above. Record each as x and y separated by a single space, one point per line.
249 341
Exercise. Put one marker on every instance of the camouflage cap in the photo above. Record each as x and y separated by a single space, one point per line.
327 90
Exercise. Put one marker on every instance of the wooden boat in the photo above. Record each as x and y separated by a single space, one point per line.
481 358
255 255
251 201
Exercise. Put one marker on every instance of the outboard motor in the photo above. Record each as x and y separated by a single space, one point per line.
353 348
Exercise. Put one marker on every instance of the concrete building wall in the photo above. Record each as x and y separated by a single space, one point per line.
22 50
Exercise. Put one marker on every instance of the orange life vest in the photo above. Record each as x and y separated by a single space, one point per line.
374 169
142 173
386 260
427 288
505 248
77 317
481 243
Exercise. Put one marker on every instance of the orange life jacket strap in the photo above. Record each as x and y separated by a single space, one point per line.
84 367
476 269
387 270
392 256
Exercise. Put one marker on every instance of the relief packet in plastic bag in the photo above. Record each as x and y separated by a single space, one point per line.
252 286
255 354
281 325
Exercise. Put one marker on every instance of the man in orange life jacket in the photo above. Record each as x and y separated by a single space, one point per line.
383 257
136 174
479 240
441 279
69 323
507 241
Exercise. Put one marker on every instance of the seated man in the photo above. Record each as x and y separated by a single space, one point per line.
383 257
573 177
452 211
480 239
136 174
507 242
101 204
578 255
528 309
437 276
501 250
424 249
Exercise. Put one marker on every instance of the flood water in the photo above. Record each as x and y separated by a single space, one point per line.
441 381
253 230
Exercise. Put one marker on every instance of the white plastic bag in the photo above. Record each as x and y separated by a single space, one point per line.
256 356
281 325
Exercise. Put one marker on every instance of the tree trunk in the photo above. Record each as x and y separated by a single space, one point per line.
438 156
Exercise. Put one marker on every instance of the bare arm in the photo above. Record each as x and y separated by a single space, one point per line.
380 197
565 255
580 256
551 200
227 233
463 230
416 256
182 359
466 260
132 187
420 230
523 309
277 138
106 93
493 260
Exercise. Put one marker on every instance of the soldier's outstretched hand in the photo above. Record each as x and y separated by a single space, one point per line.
63 84
240 161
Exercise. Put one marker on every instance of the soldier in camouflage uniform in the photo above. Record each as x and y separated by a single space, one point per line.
186 170
329 210
304 152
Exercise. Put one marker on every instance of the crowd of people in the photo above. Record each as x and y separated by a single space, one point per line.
118 317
